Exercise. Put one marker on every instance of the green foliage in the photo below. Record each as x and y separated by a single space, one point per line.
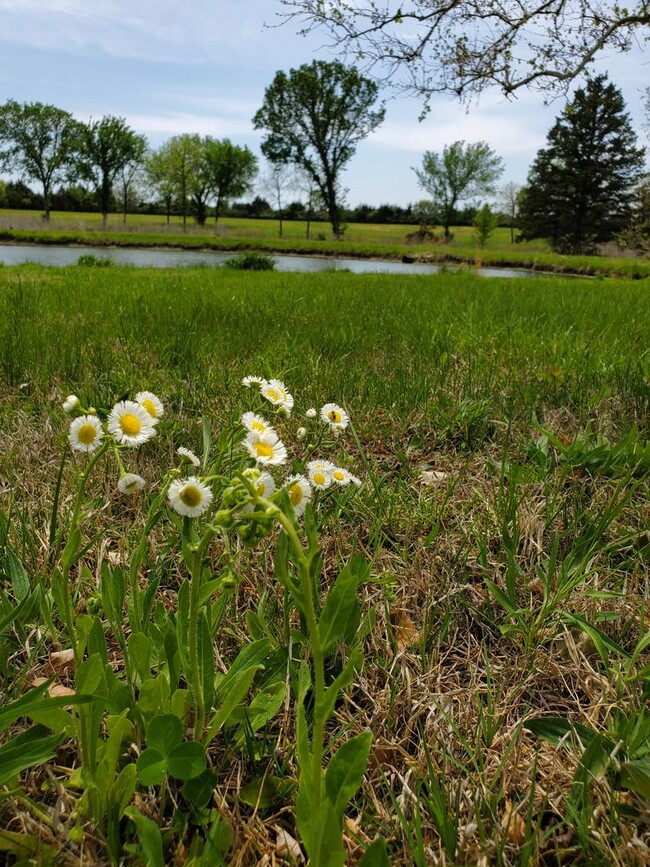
580 186
463 171
251 262
315 116
37 141
485 223
88 260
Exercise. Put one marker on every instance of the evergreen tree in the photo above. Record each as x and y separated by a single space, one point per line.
580 186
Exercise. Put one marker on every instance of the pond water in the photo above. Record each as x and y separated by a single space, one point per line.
18 254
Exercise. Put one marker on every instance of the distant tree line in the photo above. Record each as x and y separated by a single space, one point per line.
585 187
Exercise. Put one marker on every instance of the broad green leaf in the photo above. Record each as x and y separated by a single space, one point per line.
237 689
266 792
15 613
635 775
593 763
149 836
345 772
187 760
375 855
151 767
325 707
198 790
123 788
164 733
31 747
69 553
34 703
321 834
554 729
340 605
89 675
262 708
17 575
254 655
139 647
151 699
604 644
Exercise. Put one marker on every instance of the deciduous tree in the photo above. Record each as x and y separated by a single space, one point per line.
463 171
229 170
104 148
580 186
315 116
465 46
36 142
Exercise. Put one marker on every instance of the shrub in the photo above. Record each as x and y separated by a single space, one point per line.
87 260
251 262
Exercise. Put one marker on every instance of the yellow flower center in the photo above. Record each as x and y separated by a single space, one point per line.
334 416
257 425
295 494
150 406
260 490
319 478
87 434
191 496
263 450
338 475
272 395
130 424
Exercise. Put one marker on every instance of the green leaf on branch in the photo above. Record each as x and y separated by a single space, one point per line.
151 767
345 772
325 707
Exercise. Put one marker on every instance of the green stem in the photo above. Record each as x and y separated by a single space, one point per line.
195 671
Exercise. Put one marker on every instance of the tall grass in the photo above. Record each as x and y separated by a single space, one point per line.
500 428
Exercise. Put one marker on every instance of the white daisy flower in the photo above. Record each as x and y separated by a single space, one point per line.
311 413
189 497
254 422
267 448
319 474
336 417
342 477
86 433
151 403
130 423
264 484
189 455
71 403
299 492
276 393
130 483
247 381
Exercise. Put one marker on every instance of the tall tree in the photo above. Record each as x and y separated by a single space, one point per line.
315 117
104 148
174 169
160 180
36 143
278 180
230 171
580 186
462 171
465 46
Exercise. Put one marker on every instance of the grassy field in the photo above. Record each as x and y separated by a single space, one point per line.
498 547
361 240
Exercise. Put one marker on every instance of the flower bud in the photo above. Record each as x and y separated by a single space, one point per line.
71 403
311 413
301 433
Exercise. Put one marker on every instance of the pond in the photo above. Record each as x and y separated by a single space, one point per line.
19 254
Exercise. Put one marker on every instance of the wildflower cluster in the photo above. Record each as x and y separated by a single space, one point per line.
131 423
264 445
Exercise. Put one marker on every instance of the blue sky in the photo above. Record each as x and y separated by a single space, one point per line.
201 66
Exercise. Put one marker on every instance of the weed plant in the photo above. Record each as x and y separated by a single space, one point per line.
447 664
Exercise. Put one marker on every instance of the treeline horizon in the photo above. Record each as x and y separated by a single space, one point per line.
17 195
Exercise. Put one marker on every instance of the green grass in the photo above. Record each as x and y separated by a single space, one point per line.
501 433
